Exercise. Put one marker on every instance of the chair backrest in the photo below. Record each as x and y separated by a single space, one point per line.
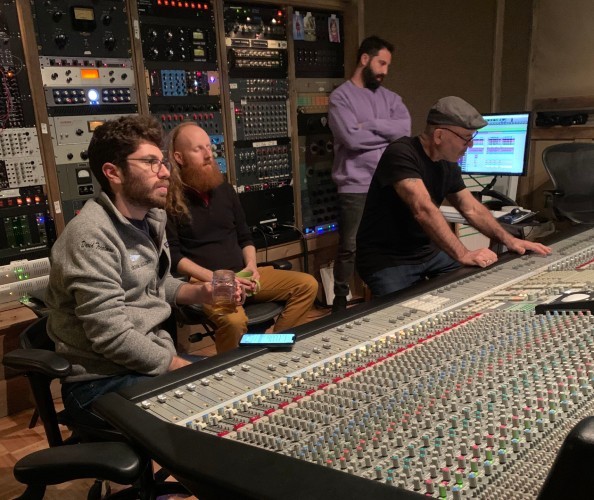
37 360
571 167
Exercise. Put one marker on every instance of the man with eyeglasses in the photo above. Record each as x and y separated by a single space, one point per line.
110 288
403 237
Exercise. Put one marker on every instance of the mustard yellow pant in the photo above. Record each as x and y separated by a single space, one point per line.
297 290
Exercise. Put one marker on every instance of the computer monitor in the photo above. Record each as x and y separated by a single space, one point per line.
501 147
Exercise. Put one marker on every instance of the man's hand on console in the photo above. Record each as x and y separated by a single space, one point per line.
482 257
523 246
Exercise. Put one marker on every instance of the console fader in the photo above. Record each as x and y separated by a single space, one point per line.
179 53
460 392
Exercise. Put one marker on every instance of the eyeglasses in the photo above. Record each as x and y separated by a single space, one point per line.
154 163
466 140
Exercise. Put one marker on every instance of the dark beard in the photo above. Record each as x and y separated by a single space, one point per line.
141 195
203 179
370 78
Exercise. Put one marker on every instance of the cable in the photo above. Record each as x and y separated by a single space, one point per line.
5 118
304 247
265 242
477 182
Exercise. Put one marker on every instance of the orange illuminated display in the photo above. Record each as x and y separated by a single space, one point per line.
89 74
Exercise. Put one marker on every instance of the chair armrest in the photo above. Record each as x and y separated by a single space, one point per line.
282 264
37 306
113 461
190 314
38 360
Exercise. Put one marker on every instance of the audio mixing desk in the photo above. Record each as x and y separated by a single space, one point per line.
455 389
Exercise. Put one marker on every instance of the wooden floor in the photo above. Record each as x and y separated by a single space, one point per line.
17 441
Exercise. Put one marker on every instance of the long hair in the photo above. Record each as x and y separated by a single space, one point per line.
176 206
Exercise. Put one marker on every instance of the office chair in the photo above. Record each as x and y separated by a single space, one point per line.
88 452
260 316
571 169
112 461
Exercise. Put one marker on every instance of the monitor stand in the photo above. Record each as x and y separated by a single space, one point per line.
499 199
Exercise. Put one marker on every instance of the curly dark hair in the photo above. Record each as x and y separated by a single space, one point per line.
116 139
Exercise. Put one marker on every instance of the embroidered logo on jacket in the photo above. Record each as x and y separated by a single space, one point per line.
95 245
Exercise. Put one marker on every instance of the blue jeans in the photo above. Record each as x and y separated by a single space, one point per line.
396 278
351 207
79 396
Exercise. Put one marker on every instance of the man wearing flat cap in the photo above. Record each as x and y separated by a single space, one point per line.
403 237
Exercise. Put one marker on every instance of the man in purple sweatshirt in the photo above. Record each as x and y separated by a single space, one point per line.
364 118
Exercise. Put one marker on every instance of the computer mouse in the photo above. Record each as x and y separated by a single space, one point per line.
515 211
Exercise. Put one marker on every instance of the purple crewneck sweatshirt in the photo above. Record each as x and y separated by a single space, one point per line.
363 123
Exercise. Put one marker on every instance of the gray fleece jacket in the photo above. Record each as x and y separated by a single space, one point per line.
109 290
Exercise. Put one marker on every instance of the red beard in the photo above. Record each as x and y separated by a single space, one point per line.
204 178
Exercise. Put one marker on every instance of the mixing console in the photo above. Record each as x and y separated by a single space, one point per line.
460 392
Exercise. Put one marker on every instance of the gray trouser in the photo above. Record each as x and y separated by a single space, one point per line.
351 207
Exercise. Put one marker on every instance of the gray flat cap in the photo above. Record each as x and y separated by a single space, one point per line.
452 110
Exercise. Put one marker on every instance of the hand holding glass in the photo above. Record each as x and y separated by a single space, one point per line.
223 292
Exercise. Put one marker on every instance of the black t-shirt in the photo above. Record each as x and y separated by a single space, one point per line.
215 234
388 234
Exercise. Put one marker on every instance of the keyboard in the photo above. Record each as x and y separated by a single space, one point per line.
522 215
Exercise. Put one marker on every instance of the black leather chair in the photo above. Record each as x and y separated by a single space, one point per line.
111 461
571 169
88 452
